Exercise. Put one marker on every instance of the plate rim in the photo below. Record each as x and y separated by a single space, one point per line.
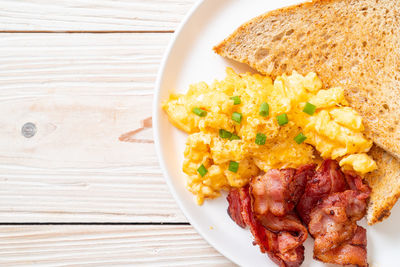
156 131
168 176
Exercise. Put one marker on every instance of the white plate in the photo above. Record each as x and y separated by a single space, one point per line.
190 59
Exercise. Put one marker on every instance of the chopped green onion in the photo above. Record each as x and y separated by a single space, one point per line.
300 138
236 116
261 139
234 137
309 108
264 109
282 119
199 112
236 100
224 134
202 170
233 166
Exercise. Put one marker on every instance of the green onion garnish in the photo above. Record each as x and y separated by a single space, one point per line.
300 138
233 166
236 100
282 119
234 137
309 108
224 134
202 170
199 112
236 116
261 139
264 109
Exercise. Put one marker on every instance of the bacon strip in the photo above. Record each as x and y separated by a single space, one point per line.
327 180
278 191
334 220
269 213
356 184
332 204
275 195
328 201
236 207
353 251
279 246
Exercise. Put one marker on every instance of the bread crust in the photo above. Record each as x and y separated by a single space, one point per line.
219 49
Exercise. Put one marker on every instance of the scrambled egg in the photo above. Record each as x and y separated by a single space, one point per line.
225 150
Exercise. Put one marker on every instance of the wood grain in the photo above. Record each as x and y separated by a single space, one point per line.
106 246
92 15
82 91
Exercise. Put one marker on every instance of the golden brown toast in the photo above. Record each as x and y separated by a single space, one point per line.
350 43
385 184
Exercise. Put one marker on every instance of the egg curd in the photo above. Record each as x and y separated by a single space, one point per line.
247 123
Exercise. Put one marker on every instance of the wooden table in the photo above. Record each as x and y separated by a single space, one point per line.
77 193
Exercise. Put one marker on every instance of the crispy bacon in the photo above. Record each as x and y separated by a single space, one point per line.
275 195
240 197
281 247
270 192
327 180
235 207
290 223
278 191
328 201
356 184
332 204
350 252
333 221
297 183
346 254
360 237
267 208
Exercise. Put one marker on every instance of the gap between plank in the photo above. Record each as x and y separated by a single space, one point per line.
95 223
94 32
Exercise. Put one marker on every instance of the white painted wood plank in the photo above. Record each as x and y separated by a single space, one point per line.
113 195
83 91
92 15
79 64
106 246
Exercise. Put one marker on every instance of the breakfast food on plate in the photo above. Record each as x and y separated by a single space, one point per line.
247 123
291 149
349 43
261 140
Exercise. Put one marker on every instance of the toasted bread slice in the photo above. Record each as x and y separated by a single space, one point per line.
352 43
385 184
349 43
